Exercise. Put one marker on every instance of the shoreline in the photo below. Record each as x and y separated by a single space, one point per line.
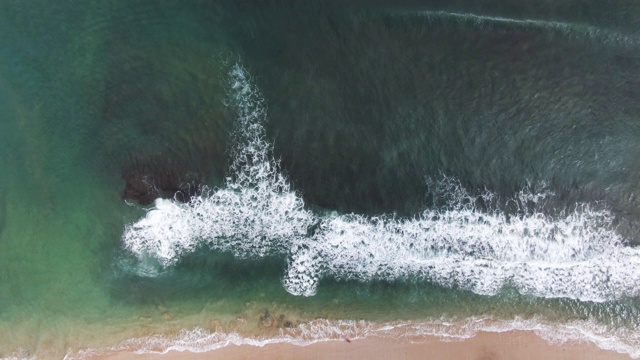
485 345
469 338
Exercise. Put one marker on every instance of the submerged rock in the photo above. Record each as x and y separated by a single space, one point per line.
149 179
266 320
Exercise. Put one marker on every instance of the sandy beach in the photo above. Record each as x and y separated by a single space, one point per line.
484 346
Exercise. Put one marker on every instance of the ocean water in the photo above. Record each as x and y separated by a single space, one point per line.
185 175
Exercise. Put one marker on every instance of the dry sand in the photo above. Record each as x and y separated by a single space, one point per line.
484 346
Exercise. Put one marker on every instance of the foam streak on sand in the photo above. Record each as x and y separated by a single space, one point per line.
576 254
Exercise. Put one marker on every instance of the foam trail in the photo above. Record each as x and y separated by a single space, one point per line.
576 254
571 30
200 340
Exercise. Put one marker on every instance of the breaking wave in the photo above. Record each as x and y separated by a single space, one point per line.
575 254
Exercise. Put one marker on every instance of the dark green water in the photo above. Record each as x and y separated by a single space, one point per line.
365 100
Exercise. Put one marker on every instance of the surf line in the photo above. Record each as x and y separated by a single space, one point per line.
447 329
577 255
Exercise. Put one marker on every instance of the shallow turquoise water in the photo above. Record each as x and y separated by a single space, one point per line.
364 101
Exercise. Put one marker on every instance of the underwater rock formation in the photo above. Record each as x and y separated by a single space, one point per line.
147 180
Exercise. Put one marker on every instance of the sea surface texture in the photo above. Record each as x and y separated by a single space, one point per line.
188 175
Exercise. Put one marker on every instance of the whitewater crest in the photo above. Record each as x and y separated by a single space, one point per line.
576 254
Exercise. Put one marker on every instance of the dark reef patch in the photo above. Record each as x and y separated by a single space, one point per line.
147 180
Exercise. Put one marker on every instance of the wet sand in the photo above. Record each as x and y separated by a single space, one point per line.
483 346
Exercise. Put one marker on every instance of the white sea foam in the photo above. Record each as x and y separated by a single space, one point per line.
576 254
200 340
20 354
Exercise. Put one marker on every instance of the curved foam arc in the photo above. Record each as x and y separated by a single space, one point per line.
576 255
200 340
